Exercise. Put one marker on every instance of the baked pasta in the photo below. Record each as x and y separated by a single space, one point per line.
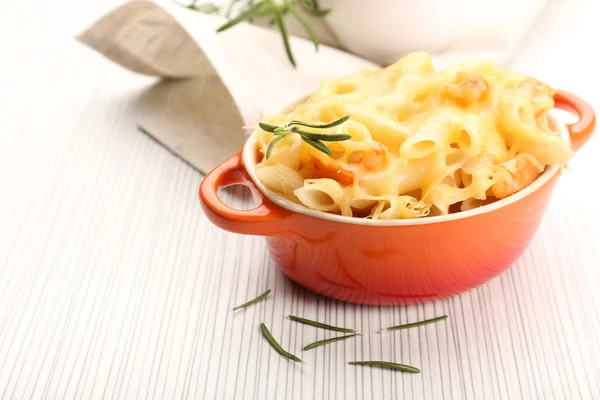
417 141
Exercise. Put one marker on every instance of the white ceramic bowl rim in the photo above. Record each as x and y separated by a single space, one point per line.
249 161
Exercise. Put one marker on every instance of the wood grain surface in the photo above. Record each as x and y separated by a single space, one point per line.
114 285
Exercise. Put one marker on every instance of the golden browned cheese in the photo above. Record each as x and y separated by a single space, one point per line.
423 142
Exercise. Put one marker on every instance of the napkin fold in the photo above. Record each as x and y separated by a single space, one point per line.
213 84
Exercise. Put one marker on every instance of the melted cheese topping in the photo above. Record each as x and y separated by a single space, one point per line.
423 142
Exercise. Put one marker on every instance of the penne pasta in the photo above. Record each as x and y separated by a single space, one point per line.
281 178
324 195
433 136
417 141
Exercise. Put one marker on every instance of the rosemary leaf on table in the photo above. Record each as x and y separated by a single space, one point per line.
414 324
388 365
253 301
321 325
327 341
267 334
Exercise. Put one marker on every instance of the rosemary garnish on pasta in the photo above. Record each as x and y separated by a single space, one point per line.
314 139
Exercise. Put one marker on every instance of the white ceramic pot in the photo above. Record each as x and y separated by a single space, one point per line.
385 30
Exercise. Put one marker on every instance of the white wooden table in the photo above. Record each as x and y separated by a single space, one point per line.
114 285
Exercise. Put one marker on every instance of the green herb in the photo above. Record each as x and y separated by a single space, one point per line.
278 18
317 145
206 8
305 25
275 10
275 345
388 365
414 324
314 139
327 341
272 144
320 125
261 9
267 127
334 137
312 6
321 325
256 300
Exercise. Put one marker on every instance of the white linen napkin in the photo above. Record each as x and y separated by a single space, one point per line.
235 77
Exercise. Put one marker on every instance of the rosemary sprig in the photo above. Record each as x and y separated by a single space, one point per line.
314 139
267 127
207 8
267 334
318 125
226 11
321 325
388 365
334 137
273 9
272 145
261 9
278 18
414 324
255 300
305 24
312 6
327 341
318 145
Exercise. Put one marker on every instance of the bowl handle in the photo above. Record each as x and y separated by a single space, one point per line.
581 130
267 218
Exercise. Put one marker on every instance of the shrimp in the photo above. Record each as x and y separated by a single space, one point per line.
533 88
333 171
375 158
540 93
369 160
515 175
467 88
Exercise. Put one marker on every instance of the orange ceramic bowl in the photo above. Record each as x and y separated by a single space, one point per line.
390 262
